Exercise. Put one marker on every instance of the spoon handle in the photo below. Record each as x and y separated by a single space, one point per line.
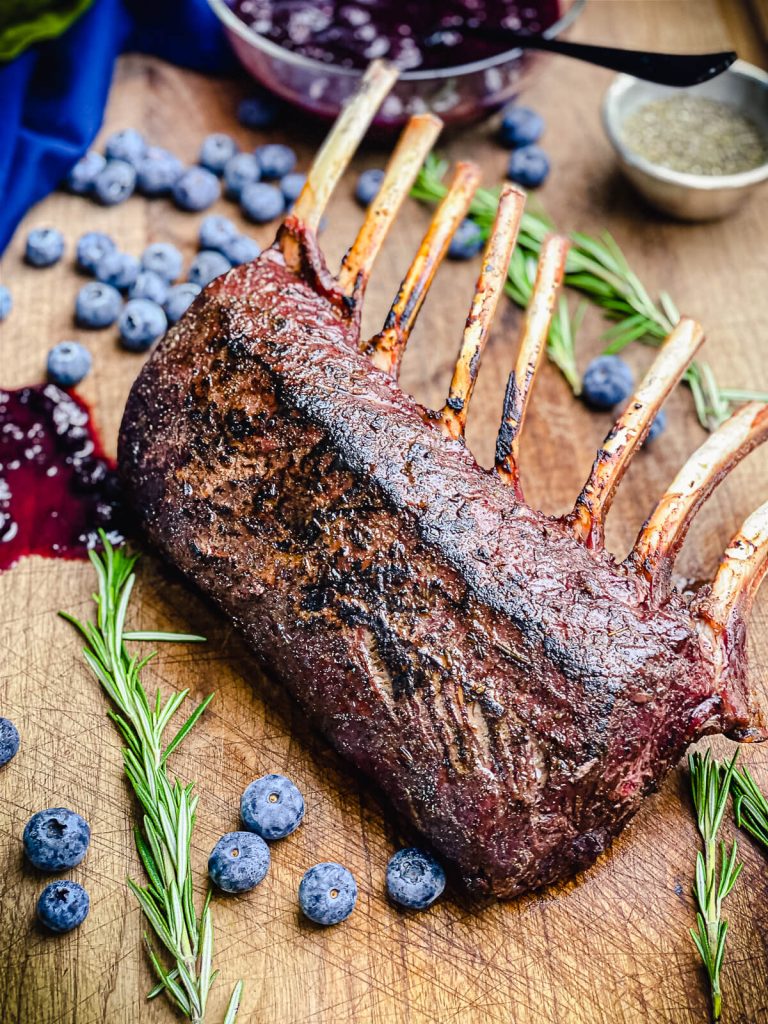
676 69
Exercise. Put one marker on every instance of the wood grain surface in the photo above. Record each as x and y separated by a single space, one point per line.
611 947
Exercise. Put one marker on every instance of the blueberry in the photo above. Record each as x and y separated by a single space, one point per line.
127 145
261 203
149 285
45 246
327 893
91 247
607 382
179 299
68 362
118 269
216 150
82 176
63 906
528 166
291 186
467 241
239 861
520 126
157 172
115 183
275 160
414 879
97 305
272 807
240 171
215 232
658 426
6 302
368 185
258 111
9 741
56 839
241 249
141 323
164 259
207 265
196 189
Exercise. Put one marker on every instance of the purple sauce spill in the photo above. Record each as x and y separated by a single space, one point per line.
57 488
411 33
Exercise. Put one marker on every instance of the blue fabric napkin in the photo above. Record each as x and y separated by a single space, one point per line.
52 97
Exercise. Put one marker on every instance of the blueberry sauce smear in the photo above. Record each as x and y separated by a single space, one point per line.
57 487
414 34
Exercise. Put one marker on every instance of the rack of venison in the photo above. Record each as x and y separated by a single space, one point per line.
512 688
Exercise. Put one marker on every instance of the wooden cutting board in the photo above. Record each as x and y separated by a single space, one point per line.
611 947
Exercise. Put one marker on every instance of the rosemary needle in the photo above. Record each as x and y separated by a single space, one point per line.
710 785
598 269
750 806
164 834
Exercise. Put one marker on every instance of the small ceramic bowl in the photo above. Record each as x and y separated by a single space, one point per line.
459 95
689 196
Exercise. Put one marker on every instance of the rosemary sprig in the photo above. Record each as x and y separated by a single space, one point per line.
710 786
750 805
598 269
164 835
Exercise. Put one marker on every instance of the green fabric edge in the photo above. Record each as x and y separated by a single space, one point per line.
17 38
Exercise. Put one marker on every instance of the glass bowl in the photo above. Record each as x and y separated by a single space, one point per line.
459 95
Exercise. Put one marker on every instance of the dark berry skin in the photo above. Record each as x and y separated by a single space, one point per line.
241 249
56 839
115 183
238 862
520 126
258 111
607 381
91 248
207 265
414 879
68 363
275 160
528 166
179 299
467 241
261 202
327 893
658 426
9 741
63 906
164 259
368 185
272 807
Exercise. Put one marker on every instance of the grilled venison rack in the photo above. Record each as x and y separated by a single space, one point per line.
512 688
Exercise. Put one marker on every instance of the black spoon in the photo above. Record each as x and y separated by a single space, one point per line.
677 69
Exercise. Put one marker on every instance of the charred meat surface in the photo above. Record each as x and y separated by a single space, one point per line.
512 689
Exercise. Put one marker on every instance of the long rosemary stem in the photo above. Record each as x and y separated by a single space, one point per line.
710 785
163 836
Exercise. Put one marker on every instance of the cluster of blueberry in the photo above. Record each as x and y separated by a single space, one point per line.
153 301
608 381
54 840
263 181
271 808
520 130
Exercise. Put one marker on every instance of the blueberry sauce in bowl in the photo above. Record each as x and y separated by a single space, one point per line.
57 487
313 52
413 34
